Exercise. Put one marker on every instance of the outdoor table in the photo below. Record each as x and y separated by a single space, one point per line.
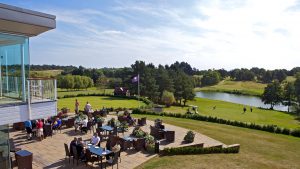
99 152
107 129
24 159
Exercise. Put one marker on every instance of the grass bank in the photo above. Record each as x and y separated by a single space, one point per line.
238 87
258 149
98 102
232 111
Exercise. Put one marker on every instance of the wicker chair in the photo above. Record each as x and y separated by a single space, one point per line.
70 123
142 121
68 154
170 136
139 144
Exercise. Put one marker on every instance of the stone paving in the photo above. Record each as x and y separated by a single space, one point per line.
50 152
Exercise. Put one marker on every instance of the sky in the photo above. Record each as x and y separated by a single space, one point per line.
205 33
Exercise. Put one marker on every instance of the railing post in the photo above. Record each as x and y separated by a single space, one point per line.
55 89
29 99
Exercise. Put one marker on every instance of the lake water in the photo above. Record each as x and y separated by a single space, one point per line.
240 99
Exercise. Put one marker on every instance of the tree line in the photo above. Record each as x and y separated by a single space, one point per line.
287 93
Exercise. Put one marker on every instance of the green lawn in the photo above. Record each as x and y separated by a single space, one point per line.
232 111
290 79
92 90
98 102
45 73
258 149
247 88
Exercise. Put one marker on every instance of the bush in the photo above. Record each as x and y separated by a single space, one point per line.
189 137
198 150
268 128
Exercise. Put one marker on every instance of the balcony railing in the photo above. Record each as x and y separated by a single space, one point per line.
41 90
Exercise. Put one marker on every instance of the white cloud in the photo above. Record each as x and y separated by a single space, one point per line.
211 34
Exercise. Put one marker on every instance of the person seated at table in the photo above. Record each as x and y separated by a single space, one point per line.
130 120
77 123
56 124
40 132
28 127
73 143
84 125
95 140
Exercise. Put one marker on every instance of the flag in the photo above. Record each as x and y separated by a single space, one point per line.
135 79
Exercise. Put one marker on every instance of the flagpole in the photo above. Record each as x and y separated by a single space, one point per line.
139 89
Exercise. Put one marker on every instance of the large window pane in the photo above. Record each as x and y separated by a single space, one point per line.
13 59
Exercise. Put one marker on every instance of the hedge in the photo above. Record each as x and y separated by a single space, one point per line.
268 128
198 150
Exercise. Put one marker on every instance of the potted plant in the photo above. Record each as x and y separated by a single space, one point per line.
124 126
138 132
149 143
189 137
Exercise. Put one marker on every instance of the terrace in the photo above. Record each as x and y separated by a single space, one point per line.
50 152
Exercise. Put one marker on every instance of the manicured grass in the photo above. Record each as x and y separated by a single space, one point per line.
92 90
258 149
232 111
45 73
98 102
290 79
247 88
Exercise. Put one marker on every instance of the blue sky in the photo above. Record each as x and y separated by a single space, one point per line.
205 33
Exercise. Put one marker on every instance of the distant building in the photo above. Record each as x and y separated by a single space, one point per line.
121 91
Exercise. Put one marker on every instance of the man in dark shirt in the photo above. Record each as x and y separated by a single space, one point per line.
73 143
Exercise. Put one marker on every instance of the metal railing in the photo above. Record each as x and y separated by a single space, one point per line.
41 90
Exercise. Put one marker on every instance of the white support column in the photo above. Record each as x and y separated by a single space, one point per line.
23 73
6 72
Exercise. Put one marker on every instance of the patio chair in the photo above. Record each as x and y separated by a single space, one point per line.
58 129
68 154
170 136
70 123
142 121
90 157
139 144
75 154
48 130
125 144
90 126
115 159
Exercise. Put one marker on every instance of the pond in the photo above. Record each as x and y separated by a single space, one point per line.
240 99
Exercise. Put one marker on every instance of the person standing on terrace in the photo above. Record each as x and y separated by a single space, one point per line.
87 107
76 106
28 127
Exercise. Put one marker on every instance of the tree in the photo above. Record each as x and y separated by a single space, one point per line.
297 89
288 94
267 77
272 94
167 98
184 87
210 78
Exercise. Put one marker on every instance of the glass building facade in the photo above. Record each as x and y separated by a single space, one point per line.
14 68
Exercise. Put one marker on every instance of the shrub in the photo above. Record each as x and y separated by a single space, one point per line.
189 137
198 150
